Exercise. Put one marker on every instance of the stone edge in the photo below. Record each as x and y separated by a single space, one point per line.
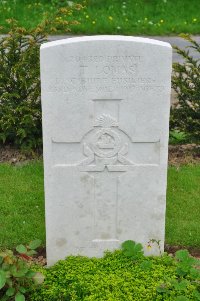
105 38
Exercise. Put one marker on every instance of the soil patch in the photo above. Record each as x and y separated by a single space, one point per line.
192 250
15 156
184 154
40 258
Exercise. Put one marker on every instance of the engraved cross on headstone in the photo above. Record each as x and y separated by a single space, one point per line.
106 148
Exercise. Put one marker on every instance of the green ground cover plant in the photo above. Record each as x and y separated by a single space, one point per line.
125 274
121 276
22 204
140 17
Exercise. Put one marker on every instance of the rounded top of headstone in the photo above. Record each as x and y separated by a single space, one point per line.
105 38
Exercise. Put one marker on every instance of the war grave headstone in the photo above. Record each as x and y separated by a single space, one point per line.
105 104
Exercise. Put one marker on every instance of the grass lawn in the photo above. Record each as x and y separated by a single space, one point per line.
139 17
183 206
22 205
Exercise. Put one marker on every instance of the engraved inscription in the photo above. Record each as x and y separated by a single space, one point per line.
104 59
112 70
97 84
103 74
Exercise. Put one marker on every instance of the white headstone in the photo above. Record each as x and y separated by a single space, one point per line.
105 102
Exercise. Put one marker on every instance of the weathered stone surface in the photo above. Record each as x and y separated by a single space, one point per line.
105 102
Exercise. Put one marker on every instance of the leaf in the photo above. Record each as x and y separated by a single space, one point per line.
39 278
195 273
20 273
10 292
30 274
13 269
128 247
5 298
9 282
138 248
146 265
181 298
31 253
180 286
161 289
1 260
21 249
6 266
132 249
196 294
19 297
181 271
2 279
35 244
128 244
22 289
184 256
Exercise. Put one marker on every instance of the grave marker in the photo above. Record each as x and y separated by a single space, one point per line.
105 102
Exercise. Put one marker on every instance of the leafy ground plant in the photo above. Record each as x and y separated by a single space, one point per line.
187 274
16 275
132 249
177 137
123 275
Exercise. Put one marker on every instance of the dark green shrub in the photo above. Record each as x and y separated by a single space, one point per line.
20 105
185 116
119 276
20 112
